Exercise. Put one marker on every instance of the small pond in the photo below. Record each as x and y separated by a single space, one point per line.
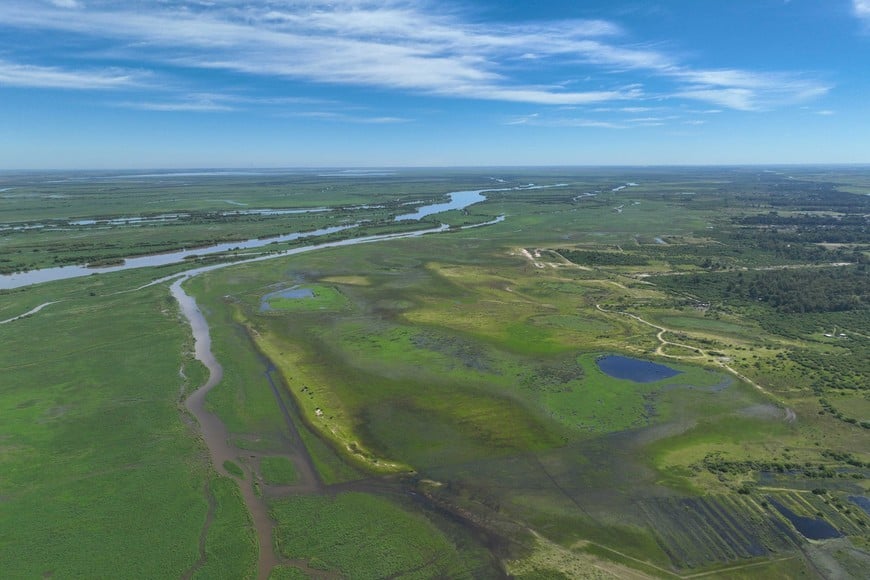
810 528
293 293
634 369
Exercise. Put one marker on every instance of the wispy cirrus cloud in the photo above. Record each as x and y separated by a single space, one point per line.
23 75
622 118
747 91
220 103
66 3
347 118
862 9
405 45
538 120
178 106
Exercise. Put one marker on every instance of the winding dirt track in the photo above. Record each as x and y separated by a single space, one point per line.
28 313
790 415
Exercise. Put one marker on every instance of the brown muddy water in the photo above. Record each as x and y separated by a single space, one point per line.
214 432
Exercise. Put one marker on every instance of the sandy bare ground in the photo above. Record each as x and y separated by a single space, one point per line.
528 256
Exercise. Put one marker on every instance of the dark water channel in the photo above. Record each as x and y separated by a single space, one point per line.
634 369
862 502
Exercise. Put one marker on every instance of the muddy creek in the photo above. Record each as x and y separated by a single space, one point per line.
214 432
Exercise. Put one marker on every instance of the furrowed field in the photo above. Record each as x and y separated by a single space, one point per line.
434 406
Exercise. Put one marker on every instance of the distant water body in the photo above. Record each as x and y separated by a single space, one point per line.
463 199
459 200
8 281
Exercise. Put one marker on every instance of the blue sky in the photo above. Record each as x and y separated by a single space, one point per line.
280 83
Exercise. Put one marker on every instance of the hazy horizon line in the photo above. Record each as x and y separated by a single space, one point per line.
241 170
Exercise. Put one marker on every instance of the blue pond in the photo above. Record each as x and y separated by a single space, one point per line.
294 293
634 369
810 528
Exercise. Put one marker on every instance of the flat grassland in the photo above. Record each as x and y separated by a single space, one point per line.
102 471
433 406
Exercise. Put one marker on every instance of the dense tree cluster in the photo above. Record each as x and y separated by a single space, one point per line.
716 463
789 290
591 258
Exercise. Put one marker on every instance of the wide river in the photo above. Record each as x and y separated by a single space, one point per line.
458 200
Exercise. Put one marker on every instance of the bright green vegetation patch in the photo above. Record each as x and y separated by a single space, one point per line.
231 546
706 324
98 466
338 531
754 433
287 573
572 322
243 399
321 298
233 468
278 471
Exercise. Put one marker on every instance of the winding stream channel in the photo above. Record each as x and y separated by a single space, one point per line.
214 432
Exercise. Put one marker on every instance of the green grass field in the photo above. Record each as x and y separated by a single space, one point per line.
102 472
278 471
365 536
443 389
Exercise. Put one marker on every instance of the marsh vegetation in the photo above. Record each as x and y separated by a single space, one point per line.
437 405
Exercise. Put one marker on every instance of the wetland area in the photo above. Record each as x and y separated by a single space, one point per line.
514 380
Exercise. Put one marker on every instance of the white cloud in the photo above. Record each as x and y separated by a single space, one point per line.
21 75
187 107
346 118
862 8
401 44
748 91
537 120
732 98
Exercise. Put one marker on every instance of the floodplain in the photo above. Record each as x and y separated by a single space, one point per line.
435 406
